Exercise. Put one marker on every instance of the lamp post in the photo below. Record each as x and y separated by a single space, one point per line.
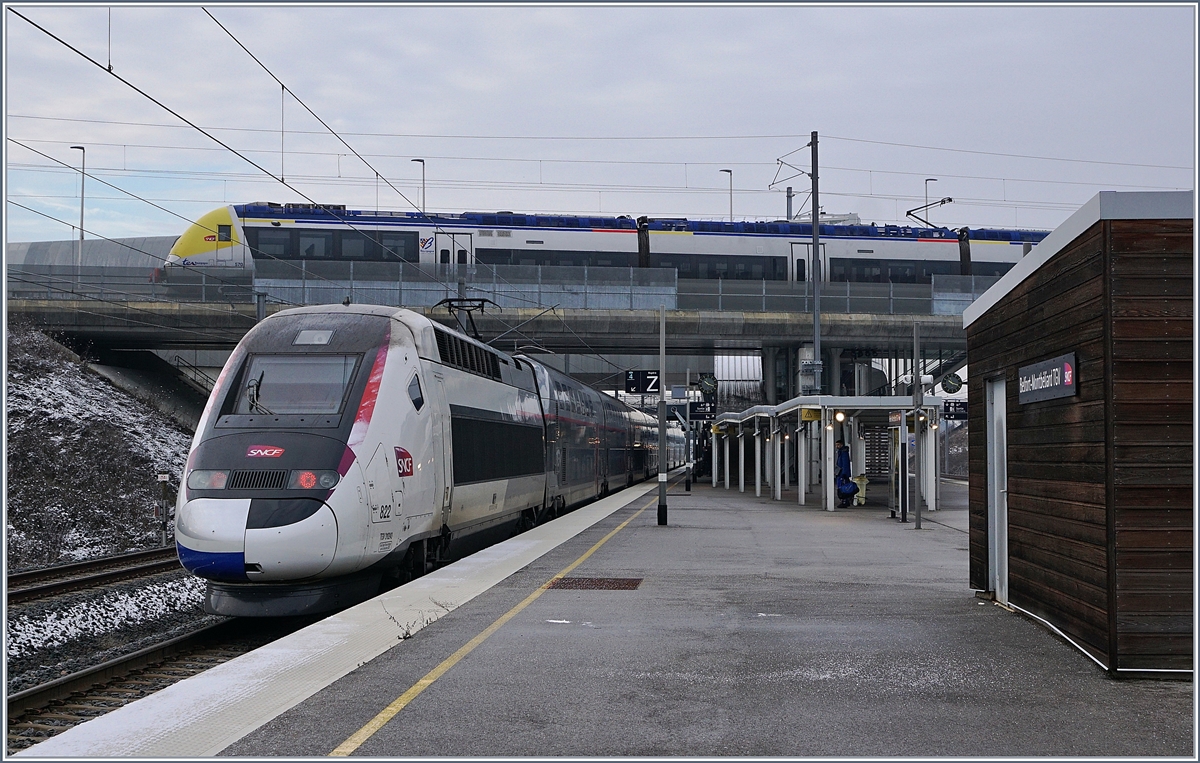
422 162
82 177
927 182
730 173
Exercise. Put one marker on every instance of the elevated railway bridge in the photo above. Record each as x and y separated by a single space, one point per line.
866 328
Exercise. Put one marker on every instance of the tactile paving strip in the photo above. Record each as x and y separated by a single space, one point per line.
597 584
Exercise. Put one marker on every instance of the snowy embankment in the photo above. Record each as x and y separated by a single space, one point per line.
83 460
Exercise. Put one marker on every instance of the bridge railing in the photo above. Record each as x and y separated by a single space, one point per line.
539 286
510 286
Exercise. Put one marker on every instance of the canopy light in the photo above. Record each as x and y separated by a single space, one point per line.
840 416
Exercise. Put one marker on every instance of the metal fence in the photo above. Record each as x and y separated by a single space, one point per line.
514 286
790 297
509 286
953 294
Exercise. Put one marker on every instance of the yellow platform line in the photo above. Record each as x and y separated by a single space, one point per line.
375 724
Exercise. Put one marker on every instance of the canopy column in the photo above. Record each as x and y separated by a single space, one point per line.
829 455
741 460
776 459
757 460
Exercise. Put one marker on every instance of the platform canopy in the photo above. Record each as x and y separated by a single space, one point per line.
858 406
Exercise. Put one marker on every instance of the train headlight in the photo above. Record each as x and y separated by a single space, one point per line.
208 479
313 479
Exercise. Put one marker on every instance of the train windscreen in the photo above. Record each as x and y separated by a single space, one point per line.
296 384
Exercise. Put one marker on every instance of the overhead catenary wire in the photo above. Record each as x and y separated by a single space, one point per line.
199 129
609 138
657 190
185 265
378 174
606 162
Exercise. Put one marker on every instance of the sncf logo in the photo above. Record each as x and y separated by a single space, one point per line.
264 451
404 463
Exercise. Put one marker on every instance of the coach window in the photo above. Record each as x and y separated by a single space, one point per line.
444 256
414 393
224 233
800 269
315 245
275 243
353 245
404 245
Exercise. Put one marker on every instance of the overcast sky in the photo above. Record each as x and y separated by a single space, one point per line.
1021 113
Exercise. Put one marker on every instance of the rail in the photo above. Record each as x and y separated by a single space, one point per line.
81 680
50 581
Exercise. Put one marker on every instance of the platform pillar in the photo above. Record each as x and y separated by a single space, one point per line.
801 462
787 462
827 459
712 461
776 459
726 461
741 461
757 460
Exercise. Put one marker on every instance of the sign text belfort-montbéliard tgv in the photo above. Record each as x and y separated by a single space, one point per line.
1047 380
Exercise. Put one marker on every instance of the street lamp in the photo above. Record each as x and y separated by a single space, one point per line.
927 182
422 162
730 173
82 177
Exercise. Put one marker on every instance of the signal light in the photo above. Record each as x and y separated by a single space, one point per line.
312 479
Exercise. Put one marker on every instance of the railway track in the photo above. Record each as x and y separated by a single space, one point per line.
50 581
40 712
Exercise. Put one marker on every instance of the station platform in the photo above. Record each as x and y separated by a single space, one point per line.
744 626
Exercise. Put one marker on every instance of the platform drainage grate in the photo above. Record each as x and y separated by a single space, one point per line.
597 584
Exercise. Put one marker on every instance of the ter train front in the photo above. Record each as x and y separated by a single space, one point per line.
343 447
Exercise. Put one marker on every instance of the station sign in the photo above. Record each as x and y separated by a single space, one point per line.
954 410
641 382
1048 380
702 411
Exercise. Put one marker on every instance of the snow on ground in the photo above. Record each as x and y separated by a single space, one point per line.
114 611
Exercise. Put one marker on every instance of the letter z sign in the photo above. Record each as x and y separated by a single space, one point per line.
404 463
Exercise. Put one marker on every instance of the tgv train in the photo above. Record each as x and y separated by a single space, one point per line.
344 447
249 236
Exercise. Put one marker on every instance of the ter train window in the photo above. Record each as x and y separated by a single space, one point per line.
414 393
296 384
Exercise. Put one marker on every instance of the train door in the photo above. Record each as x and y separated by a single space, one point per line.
442 445
385 500
997 493
801 262
454 249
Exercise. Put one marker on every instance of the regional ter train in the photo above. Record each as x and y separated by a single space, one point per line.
243 238
344 447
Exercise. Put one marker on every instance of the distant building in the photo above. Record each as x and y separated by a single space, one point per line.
1081 440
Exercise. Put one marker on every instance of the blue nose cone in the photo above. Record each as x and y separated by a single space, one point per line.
223 568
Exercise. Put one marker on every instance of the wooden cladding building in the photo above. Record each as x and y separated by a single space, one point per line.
1080 397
